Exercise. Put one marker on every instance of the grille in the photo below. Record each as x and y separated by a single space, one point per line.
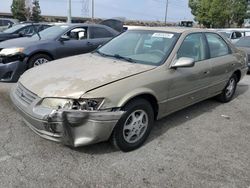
248 58
25 95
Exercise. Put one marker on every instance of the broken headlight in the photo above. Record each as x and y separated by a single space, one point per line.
73 104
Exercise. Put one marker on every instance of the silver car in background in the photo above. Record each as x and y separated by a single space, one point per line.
119 90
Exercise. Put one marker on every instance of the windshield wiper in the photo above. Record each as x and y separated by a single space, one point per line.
102 54
117 56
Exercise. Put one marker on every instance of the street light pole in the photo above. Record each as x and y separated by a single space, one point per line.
166 13
69 11
93 9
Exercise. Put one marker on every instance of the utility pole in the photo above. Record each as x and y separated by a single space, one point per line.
69 11
93 10
166 13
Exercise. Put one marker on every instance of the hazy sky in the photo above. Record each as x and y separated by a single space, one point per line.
130 9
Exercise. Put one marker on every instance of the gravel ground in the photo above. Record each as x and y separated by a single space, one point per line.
206 145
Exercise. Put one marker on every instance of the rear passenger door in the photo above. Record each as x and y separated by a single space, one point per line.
99 35
190 85
221 59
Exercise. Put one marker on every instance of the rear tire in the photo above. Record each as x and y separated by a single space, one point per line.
229 91
134 126
38 59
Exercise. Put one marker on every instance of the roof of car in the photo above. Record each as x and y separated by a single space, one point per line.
171 29
11 19
26 24
78 24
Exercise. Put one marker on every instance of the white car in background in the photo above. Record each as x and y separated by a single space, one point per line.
6 23
234 34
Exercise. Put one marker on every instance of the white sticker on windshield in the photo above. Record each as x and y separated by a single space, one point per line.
163 35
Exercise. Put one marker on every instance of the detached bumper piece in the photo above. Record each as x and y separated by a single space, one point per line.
70 127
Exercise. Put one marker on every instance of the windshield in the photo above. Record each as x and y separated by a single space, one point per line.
243 42
145 47
14 28
52 32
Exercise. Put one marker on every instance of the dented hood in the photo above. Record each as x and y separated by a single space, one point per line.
72 77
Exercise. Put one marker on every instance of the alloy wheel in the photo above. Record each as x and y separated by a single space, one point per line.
40 61
135 126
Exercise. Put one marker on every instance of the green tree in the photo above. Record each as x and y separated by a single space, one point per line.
239 11
18 9
36 11
218 13
200 9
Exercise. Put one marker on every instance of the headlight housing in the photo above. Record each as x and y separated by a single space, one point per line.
73 104
11 51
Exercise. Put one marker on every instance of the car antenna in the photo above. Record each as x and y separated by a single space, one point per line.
36 31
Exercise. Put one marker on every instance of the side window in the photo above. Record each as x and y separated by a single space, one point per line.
238 35
7 23
44 27
194 47
98 32
217 46
78 33
29 30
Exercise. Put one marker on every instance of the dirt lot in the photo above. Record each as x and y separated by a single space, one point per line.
196 147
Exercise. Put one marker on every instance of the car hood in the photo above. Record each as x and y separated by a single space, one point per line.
72 77
20 42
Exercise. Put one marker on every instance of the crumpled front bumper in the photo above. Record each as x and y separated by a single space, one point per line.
73 128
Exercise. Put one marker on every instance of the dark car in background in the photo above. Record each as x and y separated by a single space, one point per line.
244 44
18 55
22 30
6 23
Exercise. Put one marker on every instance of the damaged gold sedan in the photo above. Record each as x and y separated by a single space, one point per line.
119 90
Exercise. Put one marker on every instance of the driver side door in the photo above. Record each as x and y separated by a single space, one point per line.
74 42
188 85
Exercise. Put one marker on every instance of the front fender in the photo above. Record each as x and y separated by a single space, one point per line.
135 93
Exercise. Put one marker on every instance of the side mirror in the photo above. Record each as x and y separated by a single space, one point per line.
64 38
183 62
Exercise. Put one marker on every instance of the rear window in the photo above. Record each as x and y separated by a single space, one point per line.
98 32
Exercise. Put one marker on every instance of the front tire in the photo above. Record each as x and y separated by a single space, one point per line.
134 127
229 91
38 60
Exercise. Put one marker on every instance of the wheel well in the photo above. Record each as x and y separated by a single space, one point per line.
45 53
151 99
238 74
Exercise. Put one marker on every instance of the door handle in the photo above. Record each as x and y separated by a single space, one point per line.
206 72
89 44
